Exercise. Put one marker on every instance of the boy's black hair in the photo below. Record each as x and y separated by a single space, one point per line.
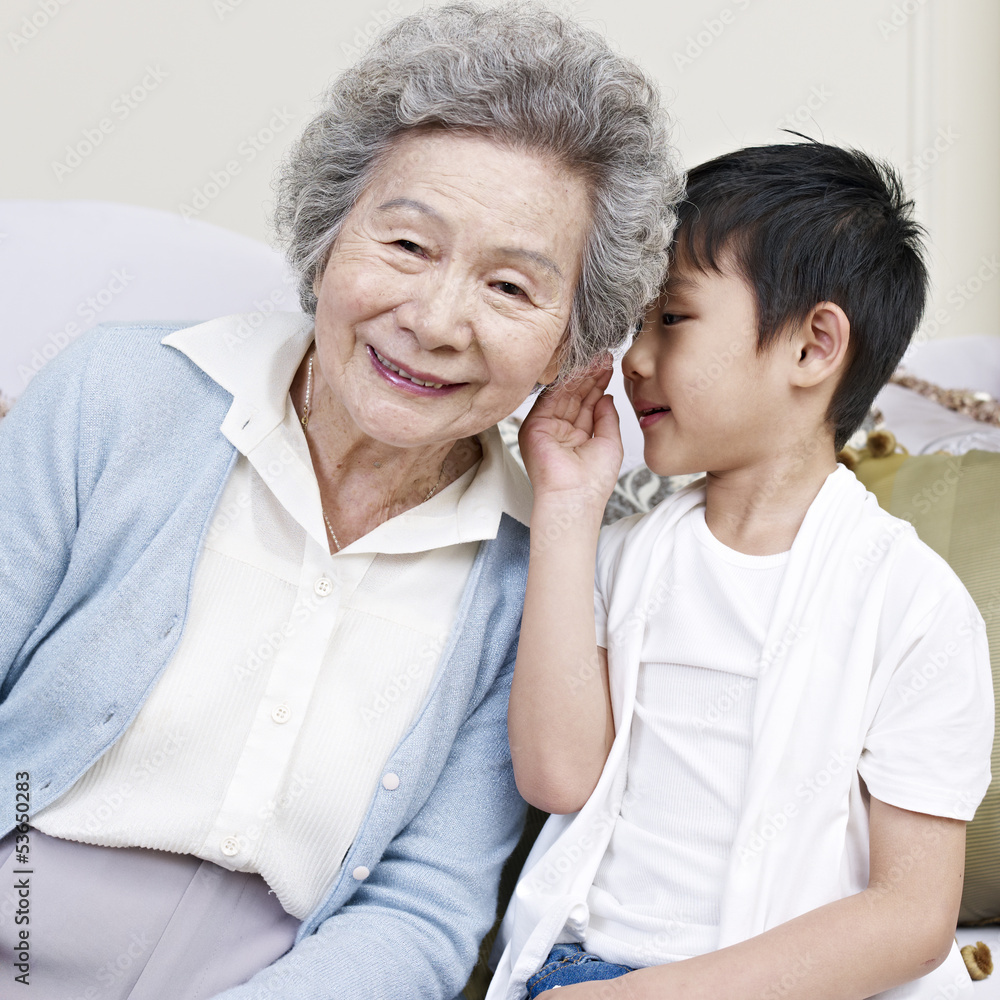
806 223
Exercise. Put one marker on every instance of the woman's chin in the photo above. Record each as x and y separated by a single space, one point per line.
398 427
403 420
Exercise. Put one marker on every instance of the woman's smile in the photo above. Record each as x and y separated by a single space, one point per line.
421 384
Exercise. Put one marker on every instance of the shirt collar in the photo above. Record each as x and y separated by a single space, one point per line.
254 358
500 482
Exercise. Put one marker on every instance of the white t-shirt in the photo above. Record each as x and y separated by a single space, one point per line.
656 894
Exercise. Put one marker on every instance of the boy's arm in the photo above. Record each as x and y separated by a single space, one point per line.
559 718
900 928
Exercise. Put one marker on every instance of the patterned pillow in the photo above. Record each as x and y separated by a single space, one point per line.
636 492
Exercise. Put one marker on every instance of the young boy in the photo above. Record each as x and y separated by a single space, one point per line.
770 745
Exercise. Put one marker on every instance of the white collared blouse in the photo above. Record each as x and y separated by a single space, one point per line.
299 671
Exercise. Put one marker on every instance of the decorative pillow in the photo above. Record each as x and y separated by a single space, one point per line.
951 500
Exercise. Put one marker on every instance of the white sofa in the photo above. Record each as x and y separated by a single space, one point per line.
67 265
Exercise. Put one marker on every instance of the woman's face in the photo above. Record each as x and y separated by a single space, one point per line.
448 291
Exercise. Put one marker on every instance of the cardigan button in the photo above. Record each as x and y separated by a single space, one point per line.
390 781
281 713
323 586
361 873
230 846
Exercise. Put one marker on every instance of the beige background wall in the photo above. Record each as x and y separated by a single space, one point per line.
187 105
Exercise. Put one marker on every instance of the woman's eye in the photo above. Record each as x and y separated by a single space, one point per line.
409 246
508 288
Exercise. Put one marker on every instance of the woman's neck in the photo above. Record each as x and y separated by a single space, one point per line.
363 481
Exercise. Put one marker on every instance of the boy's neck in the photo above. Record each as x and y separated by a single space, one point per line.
758 509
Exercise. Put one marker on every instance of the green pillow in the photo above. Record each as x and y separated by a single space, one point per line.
953 501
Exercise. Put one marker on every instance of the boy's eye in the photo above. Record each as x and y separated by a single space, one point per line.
669 319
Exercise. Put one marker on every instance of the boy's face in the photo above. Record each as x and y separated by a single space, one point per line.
706 401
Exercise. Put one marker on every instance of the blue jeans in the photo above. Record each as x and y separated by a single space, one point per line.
568 964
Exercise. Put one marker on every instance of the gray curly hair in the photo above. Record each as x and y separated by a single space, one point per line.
533 80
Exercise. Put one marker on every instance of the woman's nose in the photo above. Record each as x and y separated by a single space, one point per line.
438 312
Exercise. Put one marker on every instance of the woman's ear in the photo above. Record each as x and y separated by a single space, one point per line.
321 271
551 371
821 341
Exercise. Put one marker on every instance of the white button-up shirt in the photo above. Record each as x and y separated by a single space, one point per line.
298 672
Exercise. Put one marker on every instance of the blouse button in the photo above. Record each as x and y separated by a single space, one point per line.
281 713
230 846
361 873
390 781
323 586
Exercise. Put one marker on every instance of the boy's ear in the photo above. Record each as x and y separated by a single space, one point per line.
821 341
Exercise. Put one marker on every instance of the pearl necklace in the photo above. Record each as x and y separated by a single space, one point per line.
306 407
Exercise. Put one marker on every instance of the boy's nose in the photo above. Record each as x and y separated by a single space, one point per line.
636 362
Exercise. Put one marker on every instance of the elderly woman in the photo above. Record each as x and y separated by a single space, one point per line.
260 589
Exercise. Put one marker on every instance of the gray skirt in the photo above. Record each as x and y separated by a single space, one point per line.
108 923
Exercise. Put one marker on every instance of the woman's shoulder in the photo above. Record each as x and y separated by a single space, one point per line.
123 370
119 353
134 354
119 398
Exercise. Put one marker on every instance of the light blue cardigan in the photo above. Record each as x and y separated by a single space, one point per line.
111 464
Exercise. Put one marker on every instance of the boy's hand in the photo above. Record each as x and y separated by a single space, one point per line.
570 440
